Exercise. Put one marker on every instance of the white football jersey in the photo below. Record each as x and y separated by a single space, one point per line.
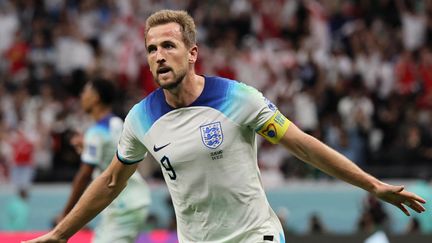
208 155
100 142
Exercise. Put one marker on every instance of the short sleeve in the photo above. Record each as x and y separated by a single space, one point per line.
252 109
130 149
93 146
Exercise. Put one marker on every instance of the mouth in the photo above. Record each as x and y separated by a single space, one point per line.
163 70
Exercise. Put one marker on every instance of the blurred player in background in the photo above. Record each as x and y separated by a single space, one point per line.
203 130
124 218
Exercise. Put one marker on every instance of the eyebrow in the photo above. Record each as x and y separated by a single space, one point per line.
151 46
167 42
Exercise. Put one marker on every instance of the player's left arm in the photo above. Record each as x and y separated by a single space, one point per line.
276 128
321 156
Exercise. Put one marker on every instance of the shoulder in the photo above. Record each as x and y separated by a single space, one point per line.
95 133
106 124
114 120
229 86
220 80
220 85
145 113
115 123
231 97
147 105
221 92
241 93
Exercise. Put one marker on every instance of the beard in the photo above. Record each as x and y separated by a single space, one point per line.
178 79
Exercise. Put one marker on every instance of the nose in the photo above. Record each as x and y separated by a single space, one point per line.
160 58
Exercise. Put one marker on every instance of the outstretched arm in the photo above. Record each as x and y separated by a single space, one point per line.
98 195
319 155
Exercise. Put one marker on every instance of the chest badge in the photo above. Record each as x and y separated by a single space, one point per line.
212 135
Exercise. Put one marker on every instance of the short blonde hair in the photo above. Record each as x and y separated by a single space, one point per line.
180 17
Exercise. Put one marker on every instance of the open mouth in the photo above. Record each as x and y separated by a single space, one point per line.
163 70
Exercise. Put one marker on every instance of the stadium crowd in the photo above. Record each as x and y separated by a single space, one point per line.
357 74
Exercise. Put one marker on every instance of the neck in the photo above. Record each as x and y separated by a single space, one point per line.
187 92
99 112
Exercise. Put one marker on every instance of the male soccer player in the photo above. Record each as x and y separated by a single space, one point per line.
203 130
124 218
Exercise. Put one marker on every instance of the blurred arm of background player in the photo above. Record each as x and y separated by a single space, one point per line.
316 153
84 175
100 193
81 180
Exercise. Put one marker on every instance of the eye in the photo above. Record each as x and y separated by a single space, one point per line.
168 46
151 49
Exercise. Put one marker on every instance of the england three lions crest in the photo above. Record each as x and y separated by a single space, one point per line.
212 135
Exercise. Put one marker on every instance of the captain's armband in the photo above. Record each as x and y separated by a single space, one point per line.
274 128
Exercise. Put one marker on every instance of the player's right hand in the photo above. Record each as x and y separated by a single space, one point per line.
47 238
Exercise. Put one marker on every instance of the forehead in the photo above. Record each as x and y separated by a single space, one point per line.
88 88
159 33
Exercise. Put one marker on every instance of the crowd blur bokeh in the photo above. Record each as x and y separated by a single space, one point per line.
357 74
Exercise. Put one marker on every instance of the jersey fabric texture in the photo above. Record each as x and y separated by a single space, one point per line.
123 219
208 155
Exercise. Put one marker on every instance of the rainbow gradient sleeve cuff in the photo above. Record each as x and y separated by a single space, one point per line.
275 127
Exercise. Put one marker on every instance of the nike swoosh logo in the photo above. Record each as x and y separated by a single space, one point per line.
159 148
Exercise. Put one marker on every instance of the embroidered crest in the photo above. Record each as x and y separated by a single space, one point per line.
212 135
270 105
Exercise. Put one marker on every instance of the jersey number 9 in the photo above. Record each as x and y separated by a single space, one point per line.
165 162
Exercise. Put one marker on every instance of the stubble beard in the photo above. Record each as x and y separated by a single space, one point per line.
178 79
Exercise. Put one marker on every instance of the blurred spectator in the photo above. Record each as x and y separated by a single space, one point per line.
405 69
373 217
9 23
316 226
413 226
16 57
22 166
72 50
411 146
368 61
422 187
346 141
425 75
270 160
306 110
40 55
413 24
356 108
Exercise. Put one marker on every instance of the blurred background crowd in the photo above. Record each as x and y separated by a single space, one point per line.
357 74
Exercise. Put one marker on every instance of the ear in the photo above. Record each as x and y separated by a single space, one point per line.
193 54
